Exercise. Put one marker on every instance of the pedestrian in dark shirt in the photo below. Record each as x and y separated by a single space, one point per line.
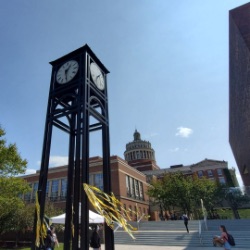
185 218
95 240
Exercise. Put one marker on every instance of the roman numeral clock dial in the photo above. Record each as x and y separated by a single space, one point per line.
67 72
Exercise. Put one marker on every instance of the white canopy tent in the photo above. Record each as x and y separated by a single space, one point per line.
93 218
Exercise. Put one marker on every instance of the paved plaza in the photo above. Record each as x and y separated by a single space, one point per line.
143 247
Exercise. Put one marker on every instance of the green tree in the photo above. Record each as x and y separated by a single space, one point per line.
176 190
208 191
172 191
11 164
236 199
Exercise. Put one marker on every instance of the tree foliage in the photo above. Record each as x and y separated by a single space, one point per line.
176 190
11 164
236 199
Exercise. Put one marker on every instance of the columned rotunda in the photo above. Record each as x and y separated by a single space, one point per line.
139 154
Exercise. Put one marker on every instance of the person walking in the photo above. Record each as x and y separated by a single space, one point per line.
95 240
49 241
185 218
223 239
55 238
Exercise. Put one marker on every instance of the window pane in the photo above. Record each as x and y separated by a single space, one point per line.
54 188
210 173
132 188
141 191
136 189
219 171
127 185
47 188
35 187
99 181
63 188
200 173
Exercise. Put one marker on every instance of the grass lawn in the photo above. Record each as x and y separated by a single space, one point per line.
228 214
28 248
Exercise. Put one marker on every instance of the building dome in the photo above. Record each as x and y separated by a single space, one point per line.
137 136
139 150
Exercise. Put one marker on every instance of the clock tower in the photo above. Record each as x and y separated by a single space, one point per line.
78 106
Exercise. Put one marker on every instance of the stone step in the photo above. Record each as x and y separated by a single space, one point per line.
241 238
173 233
158 238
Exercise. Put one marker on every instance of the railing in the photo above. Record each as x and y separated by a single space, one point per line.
138 221
200 231
117 227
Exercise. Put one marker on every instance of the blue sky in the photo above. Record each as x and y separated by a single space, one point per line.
168 63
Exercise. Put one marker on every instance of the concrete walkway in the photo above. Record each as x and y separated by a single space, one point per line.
142 247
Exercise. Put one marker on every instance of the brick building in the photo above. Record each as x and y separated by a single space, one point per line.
130 178
128 184
239 88
211 169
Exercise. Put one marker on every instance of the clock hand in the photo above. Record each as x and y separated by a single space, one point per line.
98 76
66 71
65 75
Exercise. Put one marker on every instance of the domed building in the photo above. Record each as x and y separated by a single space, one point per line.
140 155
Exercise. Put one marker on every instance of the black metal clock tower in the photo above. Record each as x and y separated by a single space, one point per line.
78 93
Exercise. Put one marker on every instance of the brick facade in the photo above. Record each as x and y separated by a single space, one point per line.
239 88
137 199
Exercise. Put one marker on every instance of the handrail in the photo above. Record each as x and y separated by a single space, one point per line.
118 226
200 229
205 222
138 221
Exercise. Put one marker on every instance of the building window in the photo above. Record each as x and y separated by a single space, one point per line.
54 189
200 173
63 189
222 180
35 188
47 188
132 187
136 189
127 185
210 173
91 179
219 171
141 191
98 181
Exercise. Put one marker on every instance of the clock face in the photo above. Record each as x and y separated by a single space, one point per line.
97 76
67 72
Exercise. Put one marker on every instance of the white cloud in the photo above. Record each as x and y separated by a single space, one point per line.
30 171
184 132
55 161
153 134
174 149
